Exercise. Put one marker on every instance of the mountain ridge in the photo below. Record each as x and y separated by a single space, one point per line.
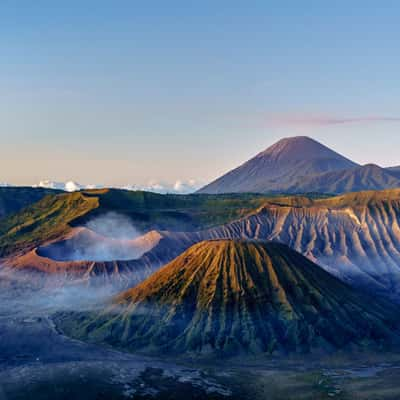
300 164
365 177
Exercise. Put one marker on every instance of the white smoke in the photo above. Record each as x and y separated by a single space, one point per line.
114 225
108 237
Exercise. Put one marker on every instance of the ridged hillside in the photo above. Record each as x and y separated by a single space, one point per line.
354 236
238 297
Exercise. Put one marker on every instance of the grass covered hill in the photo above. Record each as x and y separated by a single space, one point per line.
234 296
14 199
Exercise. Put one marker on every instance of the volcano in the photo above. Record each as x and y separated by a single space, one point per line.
280 167
298 165
238 297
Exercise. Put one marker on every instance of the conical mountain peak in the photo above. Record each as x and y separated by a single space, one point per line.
235 296
300 148
280 167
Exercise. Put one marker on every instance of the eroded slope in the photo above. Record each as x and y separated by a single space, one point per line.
239 296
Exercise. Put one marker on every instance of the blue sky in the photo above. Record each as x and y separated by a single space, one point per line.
123 92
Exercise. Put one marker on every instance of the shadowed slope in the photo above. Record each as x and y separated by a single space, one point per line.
14 199
280 167
395 171
301 165
236 296
366 177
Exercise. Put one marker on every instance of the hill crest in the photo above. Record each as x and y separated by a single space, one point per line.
298 148
235 296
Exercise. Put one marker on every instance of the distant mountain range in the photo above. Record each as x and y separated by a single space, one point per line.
237 297
300 165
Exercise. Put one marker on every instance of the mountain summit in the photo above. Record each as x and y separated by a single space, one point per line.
298 164
235 296
302 148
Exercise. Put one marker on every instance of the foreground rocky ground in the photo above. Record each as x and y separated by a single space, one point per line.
36 362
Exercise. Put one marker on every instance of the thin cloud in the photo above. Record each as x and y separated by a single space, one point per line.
318 120
177 187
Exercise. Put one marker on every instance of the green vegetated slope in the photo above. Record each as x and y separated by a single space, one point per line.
13 199
54 215
232 296
42 221
174 212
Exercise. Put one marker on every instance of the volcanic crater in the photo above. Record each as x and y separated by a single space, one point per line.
84 244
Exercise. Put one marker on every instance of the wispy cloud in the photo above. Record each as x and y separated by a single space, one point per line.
322 120
178 187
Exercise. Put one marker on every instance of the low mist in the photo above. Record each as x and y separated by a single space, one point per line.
22 293
108 237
